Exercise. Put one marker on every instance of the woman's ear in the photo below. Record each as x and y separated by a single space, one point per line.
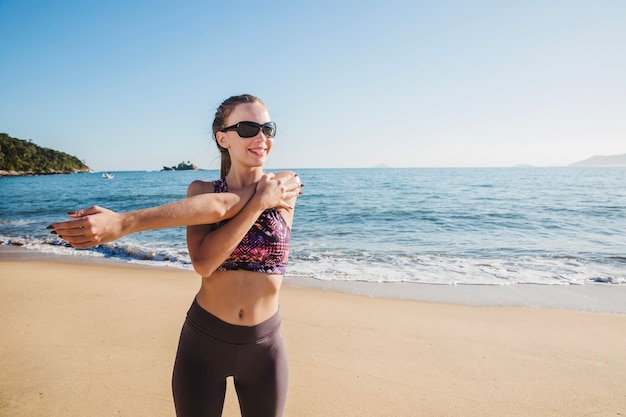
222 139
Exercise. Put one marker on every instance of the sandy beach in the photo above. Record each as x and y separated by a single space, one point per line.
84 339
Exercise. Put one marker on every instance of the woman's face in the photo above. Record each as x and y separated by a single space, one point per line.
249 152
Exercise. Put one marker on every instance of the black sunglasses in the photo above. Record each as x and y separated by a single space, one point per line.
251 129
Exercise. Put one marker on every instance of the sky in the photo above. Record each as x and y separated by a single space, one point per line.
134 85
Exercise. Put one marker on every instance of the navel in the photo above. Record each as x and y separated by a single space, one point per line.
240 314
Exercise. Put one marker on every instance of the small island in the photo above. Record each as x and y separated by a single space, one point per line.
23 157
183 166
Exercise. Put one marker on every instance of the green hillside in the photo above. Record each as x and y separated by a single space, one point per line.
22 157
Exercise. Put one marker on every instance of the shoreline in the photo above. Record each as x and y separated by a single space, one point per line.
99 339
597 297
4 173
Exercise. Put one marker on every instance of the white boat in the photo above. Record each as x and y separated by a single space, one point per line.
108 176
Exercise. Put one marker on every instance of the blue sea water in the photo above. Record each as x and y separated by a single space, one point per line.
491 226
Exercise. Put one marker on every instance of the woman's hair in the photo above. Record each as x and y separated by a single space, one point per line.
223 111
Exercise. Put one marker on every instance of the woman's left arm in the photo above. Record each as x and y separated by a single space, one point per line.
209 247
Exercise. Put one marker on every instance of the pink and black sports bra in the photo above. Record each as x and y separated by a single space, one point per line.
265 248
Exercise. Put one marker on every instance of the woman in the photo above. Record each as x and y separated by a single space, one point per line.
233 325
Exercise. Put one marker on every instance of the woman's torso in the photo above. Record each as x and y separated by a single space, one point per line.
244 298
241 297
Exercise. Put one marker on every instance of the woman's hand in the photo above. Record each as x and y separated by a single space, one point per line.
278 191
90 227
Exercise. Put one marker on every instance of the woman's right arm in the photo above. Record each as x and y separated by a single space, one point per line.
209 246
96 225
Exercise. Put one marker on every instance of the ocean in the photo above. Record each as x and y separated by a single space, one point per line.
479 227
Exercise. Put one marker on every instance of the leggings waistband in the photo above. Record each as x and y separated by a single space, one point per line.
209 324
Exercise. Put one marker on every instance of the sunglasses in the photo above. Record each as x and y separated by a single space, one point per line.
251 129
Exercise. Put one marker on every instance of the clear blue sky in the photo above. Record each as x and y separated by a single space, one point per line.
133 85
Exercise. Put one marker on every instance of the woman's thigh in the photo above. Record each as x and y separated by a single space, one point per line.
262 377
199 378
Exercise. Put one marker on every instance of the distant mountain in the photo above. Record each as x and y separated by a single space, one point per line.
602 161
23 157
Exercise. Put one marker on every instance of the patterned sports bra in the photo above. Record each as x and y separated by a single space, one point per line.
265 248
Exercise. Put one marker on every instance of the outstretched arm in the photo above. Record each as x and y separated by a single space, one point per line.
96 225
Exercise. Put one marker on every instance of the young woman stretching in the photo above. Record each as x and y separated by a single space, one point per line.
233 325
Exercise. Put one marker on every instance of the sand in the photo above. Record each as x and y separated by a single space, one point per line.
81 339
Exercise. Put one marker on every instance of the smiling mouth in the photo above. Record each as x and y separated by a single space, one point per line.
258 151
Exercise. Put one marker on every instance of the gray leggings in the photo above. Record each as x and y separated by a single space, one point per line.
210 350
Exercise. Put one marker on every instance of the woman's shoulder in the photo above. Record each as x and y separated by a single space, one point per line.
200 187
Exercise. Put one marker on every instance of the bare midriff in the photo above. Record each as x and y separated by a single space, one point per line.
243 298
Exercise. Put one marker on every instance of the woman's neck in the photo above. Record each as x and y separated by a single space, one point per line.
239 178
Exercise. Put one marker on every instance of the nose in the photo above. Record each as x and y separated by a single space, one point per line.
261 135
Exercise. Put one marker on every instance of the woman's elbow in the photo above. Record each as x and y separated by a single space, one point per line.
204 267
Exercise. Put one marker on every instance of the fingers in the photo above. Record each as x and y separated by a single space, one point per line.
70 229
290 187
78 233
287 195
70 226
79 241
284 205
291 180
82 223
291 183
85 212
264 181
293 190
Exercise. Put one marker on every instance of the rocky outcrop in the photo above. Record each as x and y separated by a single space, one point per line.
183 166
